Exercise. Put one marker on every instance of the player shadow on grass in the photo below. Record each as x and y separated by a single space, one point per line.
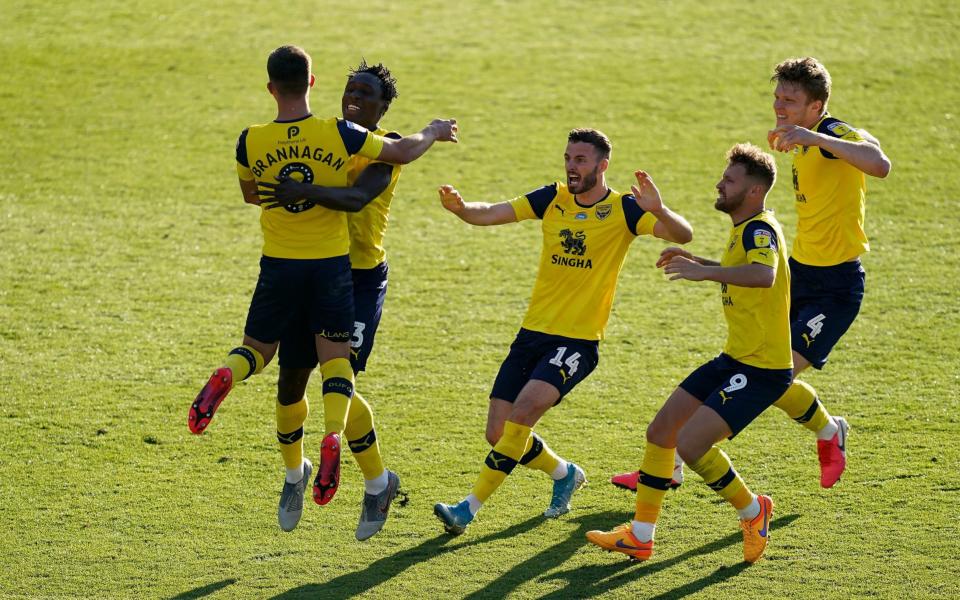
596 580
205 590
548 558
360 582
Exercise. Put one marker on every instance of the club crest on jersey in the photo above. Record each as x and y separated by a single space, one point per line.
761 238
603 211
839 129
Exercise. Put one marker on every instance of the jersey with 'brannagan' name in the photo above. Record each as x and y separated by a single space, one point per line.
312 150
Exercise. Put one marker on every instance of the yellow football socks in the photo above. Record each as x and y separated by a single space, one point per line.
243 362
654 481
502 459
362 438
800 402
538 455
290 419
718 473
337 391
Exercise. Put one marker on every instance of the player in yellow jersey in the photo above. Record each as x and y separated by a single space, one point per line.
720 398
305 265
830 159
369 91
587 229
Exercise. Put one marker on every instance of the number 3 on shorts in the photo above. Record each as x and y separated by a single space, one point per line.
357 340
572 362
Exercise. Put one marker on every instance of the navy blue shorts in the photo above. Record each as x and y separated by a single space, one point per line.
824 301
738 392
318 291
297 346
560 361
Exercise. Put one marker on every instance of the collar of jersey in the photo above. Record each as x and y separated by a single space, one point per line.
307 116
605 196
750 217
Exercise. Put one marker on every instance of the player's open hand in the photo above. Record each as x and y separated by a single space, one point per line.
787 137
451 199
646 193
444 130
667 253
681 267
286 192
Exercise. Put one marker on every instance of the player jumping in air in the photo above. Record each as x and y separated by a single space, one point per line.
305 268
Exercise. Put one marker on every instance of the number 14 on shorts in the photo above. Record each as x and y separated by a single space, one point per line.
572 362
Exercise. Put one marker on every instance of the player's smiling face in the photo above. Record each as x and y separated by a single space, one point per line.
582 163
732 188
793 106
362 100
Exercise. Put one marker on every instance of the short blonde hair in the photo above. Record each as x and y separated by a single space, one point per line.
808 73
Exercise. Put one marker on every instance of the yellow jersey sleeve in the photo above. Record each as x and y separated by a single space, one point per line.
645 226
243 164
760 244
639 221
534 204
357 140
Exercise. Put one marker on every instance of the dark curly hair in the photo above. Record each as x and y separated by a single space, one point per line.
388 83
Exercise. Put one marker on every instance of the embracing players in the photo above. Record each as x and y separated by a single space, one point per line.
305 268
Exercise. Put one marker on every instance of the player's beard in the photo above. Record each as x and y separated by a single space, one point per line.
587 182
728 204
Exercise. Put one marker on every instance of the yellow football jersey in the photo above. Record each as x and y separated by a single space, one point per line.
583 251
313 150
369 225
830 200
758 319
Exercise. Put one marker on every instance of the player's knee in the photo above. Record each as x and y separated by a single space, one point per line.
661 432
690 447
266 350
494 434
292 385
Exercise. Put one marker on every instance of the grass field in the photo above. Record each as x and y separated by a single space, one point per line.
129 258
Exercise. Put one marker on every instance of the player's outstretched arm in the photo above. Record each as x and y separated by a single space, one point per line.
864 155
669 252
410 148
669 226
371 182
476 213
754 275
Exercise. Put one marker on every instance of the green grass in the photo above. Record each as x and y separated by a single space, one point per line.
129 259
